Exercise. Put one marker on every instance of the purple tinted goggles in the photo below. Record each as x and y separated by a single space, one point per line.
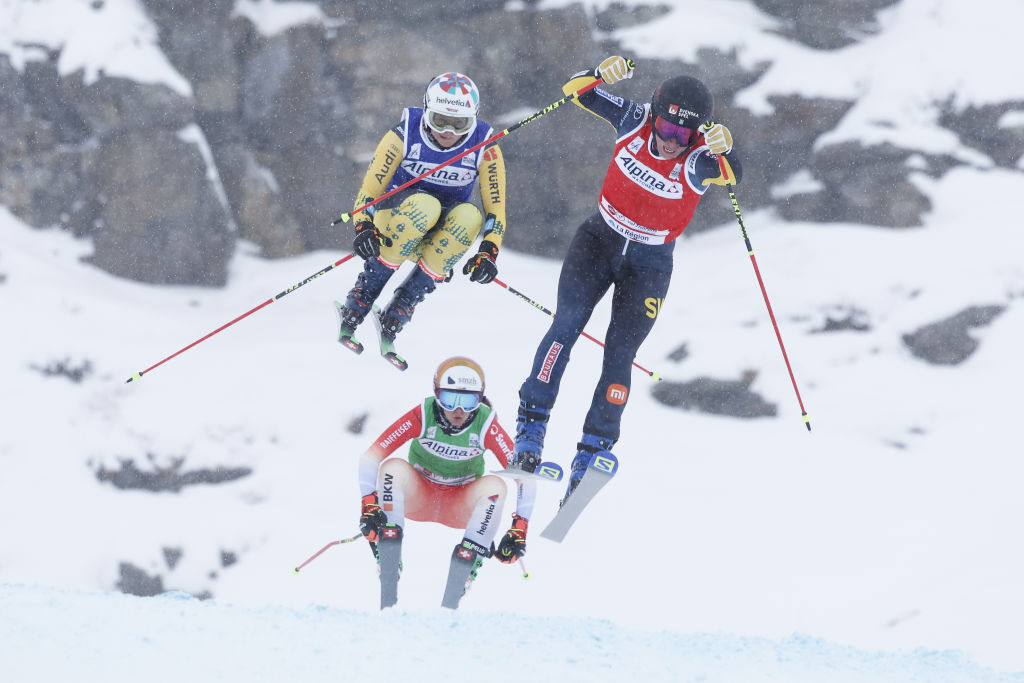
667 130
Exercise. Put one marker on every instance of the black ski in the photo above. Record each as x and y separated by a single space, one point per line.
387 346
389 557
461 572
599 473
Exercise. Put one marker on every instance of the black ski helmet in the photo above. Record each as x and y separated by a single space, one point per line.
684 101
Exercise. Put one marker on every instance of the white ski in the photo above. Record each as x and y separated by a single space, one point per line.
599 473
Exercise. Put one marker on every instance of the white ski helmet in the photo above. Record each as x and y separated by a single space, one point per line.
459 383
451 103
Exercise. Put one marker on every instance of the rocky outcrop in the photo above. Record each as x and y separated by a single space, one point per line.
826 24
716 396
174 478
272 141
948 341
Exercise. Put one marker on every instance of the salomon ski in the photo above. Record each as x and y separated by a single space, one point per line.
598 473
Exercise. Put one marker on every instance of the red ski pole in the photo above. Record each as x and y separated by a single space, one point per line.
494 138
764 292
295 570
138 375
540 307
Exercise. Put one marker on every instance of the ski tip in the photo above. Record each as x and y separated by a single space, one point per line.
546 471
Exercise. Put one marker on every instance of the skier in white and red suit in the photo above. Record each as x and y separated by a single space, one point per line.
443 479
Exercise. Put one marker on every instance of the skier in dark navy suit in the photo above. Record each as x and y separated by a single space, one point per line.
663 162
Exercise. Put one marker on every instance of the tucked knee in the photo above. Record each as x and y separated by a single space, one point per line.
421 209
393 472
466 217
489 486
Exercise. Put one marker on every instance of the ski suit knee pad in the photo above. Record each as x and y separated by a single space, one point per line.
406 225
444 246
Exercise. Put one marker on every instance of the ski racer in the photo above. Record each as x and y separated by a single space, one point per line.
432 222
663 163
443 479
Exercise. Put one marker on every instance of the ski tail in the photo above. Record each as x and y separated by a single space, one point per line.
389 557
467 558
599 472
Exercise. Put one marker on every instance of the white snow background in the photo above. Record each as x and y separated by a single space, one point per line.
884 546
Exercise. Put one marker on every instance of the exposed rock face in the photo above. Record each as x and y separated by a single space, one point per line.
826 24
715 396
948 342
272 143
173 478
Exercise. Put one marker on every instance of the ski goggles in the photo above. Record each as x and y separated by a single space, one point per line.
450 400
460 125
666 130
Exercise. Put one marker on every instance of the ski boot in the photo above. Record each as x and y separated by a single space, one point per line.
531 426
587 451
369 284
388 328
349 320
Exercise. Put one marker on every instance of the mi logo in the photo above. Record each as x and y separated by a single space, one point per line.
653 306
617 394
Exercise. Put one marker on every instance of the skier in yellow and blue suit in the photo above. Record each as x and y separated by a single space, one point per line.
432 222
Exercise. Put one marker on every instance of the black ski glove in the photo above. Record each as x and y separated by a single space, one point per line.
513 543
481 268
368 240
373 518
